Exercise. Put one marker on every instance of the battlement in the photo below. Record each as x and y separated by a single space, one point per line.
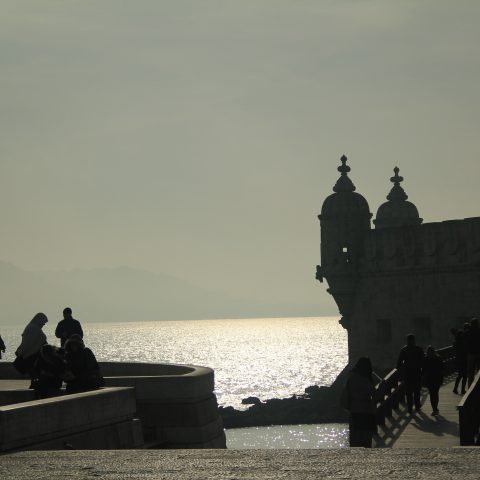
451 243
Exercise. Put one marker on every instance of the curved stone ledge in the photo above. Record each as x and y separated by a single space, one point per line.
175 403
161 382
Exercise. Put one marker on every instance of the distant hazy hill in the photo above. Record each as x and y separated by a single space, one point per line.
119 294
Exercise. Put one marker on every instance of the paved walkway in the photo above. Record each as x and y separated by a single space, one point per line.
335 464
421 430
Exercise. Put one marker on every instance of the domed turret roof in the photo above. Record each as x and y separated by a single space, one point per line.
345 201
397 212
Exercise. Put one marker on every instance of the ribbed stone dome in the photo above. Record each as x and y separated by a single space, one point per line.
397 212
345 201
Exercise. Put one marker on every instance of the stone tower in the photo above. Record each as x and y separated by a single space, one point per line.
403 276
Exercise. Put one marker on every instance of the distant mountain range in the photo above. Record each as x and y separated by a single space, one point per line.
124 294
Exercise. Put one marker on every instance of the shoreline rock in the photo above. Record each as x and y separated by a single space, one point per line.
316 405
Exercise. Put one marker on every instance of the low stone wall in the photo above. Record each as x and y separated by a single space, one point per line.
176 404
101 419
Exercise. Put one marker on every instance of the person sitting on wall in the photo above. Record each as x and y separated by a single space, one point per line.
433 376
83 371
410 364
358 398
51 368
68 327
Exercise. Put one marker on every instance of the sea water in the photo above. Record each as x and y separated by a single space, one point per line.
263 357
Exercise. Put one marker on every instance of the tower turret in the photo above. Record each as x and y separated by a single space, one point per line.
344 220
397 212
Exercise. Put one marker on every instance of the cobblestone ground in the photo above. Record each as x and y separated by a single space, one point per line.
453 463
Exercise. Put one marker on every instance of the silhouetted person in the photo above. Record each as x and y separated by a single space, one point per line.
50 368
410 364
460 349
2 346
359 399
83 372
473 349
33 339
433 376
68 327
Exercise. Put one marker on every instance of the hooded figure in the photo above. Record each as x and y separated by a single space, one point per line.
83 372
33 339
358 398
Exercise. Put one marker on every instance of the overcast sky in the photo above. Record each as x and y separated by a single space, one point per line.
199 138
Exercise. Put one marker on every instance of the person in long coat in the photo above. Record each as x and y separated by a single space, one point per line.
33 338
359 399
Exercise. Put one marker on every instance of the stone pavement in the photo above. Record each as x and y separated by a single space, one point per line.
438 464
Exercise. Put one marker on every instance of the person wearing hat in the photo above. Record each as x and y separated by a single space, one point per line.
68 327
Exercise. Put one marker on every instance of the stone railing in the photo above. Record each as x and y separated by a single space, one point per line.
469 414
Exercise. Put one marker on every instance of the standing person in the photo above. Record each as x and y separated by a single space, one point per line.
359 399
68 327
473 349
410 364
2 346
460 349
433 376
33 338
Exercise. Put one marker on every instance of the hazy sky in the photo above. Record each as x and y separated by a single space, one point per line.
199 138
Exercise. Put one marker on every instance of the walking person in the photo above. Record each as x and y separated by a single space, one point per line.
460 349
410 364
433 376
2 346
68 327
33 339
359 399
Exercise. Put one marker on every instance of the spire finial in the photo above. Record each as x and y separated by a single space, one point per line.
397 193
344 184
343 168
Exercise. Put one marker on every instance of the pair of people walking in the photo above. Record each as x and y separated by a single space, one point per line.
414 367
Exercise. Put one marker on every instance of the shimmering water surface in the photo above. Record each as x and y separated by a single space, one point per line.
274 357
331 435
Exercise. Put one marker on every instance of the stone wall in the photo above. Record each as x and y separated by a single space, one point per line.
176 404
101 419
